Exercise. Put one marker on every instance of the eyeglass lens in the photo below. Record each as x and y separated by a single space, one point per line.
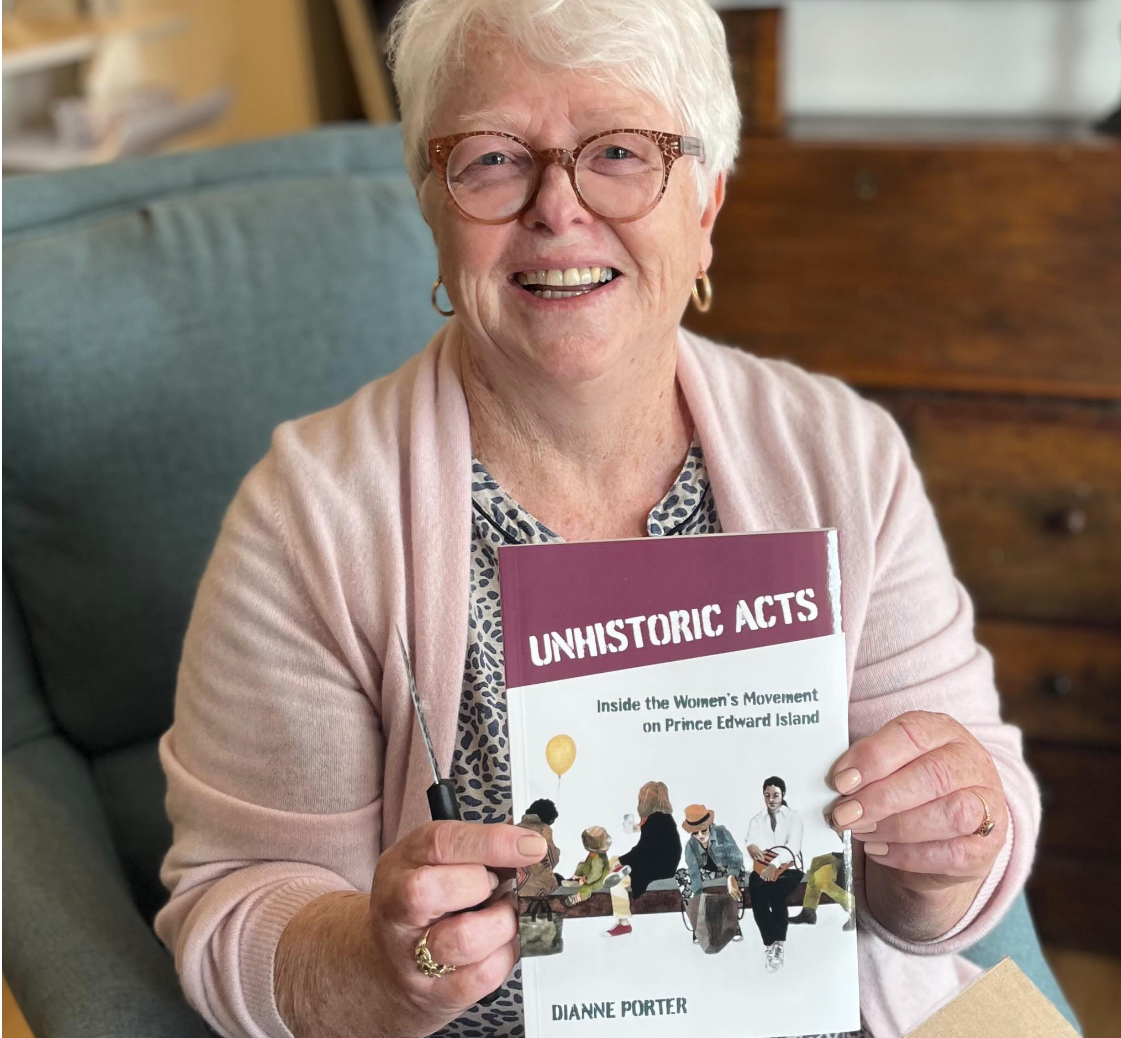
492 178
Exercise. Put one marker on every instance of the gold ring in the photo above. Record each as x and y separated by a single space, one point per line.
988 825
424 961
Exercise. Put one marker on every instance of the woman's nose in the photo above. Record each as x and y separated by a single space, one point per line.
555 206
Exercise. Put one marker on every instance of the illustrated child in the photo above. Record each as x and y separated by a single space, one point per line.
595 868
597 872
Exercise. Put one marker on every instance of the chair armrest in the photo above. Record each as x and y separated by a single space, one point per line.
1015 938
78 956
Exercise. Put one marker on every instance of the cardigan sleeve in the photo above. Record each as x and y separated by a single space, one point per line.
273 766
917 652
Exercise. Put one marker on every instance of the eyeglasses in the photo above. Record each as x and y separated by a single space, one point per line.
620 175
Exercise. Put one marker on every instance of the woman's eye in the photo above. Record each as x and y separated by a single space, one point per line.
492 158
616 153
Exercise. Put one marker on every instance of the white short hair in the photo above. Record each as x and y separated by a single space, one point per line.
671 50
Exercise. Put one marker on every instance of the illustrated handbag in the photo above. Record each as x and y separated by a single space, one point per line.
539 927
541 935
770 854
714 919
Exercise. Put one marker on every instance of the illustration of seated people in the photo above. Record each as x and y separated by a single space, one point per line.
598 872
827 875
657 854
774 842
539 880
711 853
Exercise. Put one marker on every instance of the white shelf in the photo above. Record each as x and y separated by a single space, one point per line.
142 135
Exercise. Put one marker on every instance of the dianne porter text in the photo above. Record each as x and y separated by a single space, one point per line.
573 1011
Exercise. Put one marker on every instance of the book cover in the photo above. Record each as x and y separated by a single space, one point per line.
675 705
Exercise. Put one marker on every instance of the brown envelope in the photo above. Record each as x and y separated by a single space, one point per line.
1001 1003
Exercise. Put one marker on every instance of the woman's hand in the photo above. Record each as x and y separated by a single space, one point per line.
755 852
423 883
912 794
346 962
769 873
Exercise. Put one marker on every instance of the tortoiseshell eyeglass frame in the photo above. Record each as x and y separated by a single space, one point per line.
672 146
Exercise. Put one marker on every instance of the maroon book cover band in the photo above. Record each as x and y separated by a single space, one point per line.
592 607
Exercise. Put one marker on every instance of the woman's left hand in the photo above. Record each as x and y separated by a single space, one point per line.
912 794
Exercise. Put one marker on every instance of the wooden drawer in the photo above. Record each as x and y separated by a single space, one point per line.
1079 786
928 265
1058 683
1072 902
1029 499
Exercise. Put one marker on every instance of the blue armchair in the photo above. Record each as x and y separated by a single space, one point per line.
161 317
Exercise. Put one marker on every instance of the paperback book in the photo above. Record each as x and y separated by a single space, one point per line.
675 705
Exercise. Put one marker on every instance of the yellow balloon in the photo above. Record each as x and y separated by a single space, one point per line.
560 753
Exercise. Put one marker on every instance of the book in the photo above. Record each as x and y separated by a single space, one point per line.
675 706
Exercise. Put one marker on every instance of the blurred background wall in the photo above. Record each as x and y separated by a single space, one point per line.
281 66
952 57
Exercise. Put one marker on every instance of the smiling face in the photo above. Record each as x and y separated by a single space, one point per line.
610 292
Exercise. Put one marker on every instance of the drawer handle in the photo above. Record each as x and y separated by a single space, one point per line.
1058 685
1070 521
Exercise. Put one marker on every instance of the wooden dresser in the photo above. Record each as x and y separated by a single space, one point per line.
968 277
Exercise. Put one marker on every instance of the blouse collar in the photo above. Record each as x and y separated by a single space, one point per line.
673 514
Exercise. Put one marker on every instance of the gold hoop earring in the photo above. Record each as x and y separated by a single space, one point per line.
702 300
436 306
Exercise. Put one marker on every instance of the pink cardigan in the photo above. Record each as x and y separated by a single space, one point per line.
294 758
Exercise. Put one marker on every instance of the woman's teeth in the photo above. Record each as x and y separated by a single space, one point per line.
571 282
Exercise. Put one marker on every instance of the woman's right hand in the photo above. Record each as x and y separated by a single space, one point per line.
424 882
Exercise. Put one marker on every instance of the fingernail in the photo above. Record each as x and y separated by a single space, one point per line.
864 827
875 848
846 781
493 880
532 846
847 813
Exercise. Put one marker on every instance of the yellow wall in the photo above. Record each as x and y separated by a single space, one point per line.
283 59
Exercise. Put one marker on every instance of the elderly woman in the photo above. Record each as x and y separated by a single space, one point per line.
570 157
